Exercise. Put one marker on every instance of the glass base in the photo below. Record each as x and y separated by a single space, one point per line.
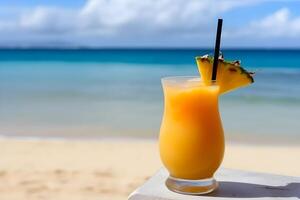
193 187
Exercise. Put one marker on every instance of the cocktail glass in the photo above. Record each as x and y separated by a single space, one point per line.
191 137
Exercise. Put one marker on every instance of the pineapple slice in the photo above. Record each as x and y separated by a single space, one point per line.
230 75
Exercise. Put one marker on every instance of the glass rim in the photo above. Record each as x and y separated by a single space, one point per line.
173 80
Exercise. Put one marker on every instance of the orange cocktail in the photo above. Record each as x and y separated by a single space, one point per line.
191 135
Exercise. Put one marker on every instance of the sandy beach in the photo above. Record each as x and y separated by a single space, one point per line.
109 169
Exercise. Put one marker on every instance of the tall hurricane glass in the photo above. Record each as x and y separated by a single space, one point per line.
191 138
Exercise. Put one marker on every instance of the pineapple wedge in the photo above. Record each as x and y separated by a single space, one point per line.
230 75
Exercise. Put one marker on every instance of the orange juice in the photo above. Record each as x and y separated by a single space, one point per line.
191 136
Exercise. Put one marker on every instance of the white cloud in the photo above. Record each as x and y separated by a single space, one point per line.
48 20
134 22
279 24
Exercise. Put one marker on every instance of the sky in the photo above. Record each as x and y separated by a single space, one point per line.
149 23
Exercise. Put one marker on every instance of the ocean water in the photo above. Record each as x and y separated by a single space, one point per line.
117 93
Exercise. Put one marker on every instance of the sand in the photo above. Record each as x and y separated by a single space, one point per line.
109 169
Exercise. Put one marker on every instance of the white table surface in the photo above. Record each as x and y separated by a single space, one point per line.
233 184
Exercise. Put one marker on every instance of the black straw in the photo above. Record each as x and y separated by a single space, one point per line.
217 50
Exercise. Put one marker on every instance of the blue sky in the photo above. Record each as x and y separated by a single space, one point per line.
149 23
33 3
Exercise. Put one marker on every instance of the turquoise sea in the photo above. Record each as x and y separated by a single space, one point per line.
117 92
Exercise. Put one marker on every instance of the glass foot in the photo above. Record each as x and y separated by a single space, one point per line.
193 187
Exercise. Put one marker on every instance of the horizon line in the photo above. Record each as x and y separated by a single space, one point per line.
146 48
